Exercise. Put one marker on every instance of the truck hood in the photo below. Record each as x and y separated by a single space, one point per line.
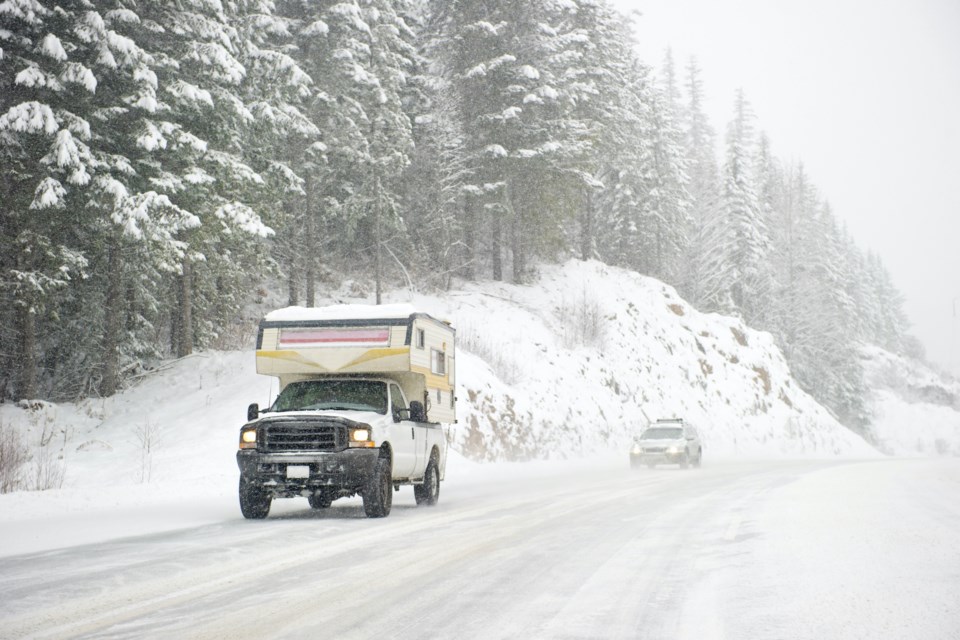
660 442
367 417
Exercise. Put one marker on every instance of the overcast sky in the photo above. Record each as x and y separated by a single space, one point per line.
866 93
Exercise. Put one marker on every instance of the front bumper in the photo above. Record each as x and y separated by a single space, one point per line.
657 458
346 470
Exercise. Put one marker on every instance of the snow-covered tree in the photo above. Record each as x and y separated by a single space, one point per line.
667 204
702 188
505 63
738 244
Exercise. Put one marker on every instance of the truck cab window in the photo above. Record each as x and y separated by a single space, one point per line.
396 399
345 395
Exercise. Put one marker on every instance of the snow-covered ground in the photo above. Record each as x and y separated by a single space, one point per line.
572 366
794 528
799 549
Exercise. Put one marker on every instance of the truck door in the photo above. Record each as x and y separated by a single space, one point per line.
403 437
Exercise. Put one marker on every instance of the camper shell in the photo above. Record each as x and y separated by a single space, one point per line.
394 341
365 394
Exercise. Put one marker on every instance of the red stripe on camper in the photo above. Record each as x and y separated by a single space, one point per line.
305 337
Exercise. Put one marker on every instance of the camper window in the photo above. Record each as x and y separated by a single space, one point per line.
421 338
438 362
344 395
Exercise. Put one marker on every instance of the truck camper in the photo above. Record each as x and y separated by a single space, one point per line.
365 395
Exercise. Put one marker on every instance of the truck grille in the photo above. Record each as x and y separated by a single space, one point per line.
654 449
298 435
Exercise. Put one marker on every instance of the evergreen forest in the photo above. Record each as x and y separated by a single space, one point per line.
163 160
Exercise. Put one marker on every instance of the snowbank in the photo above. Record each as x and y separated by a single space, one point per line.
585 358
915 410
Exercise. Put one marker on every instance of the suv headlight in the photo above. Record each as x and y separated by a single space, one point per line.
248 438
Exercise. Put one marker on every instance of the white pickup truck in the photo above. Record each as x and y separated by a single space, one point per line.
365 393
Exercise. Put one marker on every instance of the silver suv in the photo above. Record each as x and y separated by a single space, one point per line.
667 441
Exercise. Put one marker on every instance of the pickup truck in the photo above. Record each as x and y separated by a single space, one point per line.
363 393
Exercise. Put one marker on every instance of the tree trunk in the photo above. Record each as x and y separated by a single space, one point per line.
185 343
379 238
110 381
658 270
516 247
27 387
516 234
470 237
586 226
293 297
311 252
496 241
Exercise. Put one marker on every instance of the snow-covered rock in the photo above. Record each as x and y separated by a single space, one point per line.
915 410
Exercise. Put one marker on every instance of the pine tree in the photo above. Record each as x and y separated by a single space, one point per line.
56 160
668 201
188 132
433 185
738 243
703 188
504 65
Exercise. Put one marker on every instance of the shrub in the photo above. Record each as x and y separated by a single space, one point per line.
14 456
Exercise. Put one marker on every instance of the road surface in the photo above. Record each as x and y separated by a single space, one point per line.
765 549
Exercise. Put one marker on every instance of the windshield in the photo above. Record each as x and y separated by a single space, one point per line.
662 433
346 395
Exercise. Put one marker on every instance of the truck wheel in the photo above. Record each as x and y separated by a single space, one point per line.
697 462
254 500
320 500
377 493
429 492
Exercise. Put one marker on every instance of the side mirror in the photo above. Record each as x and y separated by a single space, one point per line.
417 414
253 411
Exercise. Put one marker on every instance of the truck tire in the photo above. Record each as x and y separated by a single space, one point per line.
320 500
254 500
699 459
429 492
378 491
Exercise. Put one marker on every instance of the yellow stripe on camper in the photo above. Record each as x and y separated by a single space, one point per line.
288 356
376 354
433 380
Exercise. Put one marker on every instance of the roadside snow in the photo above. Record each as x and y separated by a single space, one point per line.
857 551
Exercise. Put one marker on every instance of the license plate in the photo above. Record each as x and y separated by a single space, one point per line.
297 471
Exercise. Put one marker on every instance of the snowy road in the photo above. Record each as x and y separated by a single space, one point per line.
792 550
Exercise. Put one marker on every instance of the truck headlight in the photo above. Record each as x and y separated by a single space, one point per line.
248 439
673 449
361 438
